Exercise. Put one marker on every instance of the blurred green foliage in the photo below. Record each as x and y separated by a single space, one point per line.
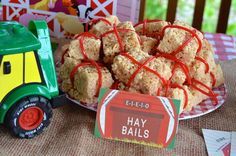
151 11
156 9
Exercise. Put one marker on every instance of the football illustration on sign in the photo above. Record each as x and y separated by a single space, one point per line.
137 118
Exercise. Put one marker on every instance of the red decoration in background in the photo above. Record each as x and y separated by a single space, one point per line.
4 15
16 1
23 7
99 3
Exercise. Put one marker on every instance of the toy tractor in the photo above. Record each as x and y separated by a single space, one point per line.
28 79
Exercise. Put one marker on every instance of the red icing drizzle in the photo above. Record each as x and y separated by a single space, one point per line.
63 56
147 21
213 79
203 61
143 66
175 85
158 91
182 46
192 32
185 93
207 69
118 38
171 56
144 28
132 77
75 69
165 83
115 85
116 31
94 21
210 93
89 63
86 34
81 42
178 63
173 70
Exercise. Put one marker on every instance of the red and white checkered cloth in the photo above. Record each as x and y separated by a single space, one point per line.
206 106
224 46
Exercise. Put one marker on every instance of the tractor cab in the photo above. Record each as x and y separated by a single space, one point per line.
28 79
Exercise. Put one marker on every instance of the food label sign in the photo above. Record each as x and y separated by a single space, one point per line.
137 118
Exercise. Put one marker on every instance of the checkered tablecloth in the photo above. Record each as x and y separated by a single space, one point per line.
224 46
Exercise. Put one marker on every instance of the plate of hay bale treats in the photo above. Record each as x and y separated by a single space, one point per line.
152 57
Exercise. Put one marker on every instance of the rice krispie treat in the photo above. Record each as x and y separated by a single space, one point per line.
204 67
219 76
103 24
153 57
86 83
85 46
179 77
198 95
180 34
150 28
145 80
66 67
207 53
66 85
150 81
180 71
123 67
182 93
122 38
205 75
148 44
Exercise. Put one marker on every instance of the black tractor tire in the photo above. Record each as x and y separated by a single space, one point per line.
29 117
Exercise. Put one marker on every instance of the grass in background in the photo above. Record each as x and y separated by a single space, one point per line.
232 19
156 9
185 10
210 16
151 11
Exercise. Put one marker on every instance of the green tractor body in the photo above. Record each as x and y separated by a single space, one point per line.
28 79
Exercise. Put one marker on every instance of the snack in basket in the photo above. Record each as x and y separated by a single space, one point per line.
148 44
182 41
150 28
85 81
153 57
88 80
88 44
101 25
81 76
118 39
